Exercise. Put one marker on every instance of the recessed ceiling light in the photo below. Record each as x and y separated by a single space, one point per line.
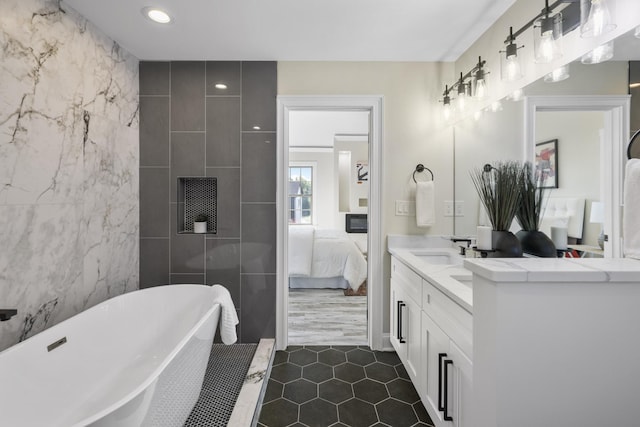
156 15
221 86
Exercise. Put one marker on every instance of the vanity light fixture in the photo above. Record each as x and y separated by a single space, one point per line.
480 91
446 104
547 36
473 83
602 53
599 19
558 75
221 86
510 67
156 15
461 99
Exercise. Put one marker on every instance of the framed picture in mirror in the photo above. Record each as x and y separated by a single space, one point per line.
547 164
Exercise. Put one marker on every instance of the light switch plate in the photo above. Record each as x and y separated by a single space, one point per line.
405 208
448 208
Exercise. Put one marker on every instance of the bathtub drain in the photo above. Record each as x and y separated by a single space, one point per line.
56 344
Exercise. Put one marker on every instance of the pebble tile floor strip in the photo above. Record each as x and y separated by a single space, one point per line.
226 371
322 386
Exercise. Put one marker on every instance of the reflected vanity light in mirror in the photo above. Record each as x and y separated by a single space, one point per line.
599 20
516 95
496 106
557 75
600 54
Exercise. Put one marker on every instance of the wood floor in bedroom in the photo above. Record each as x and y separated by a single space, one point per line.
326 316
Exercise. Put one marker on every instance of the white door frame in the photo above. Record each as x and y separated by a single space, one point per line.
616 109
374 105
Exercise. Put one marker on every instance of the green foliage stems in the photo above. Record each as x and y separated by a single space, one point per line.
499 192
529 213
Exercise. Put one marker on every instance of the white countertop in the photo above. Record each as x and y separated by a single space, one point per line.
442 276
556 269
445 276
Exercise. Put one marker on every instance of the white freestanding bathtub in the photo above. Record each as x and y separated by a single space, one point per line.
135 360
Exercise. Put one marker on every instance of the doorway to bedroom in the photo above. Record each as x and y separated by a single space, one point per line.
327 214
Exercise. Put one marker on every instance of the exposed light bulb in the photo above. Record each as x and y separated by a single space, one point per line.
461 99
600 54
599 21
446 111
513 70
496 106
221 86
547 37
481 89
557 75
547 47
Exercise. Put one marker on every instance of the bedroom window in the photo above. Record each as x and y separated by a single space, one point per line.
301 194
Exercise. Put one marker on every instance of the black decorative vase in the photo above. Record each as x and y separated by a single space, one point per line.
537 243
505 244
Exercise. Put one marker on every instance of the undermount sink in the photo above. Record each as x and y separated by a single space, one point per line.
437 257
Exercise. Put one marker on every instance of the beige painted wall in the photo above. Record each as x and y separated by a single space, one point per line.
411 125
578 135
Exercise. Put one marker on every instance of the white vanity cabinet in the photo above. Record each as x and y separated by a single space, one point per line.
432 335
406 291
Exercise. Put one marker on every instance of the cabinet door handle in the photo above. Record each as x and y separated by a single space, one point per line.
400 337
440 357
447 362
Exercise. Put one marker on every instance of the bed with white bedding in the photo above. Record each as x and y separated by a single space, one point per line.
324 259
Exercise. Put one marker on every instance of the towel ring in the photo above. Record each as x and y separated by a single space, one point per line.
420 168
634 152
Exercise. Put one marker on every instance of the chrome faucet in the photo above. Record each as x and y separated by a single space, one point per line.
7 313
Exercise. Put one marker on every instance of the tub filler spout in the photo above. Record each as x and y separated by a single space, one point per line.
7 313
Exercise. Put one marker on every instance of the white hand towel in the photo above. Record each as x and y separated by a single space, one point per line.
425 204
228 315
630 223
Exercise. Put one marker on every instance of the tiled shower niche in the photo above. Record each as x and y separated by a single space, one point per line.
197 195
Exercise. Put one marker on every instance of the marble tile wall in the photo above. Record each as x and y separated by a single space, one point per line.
68 166
190 128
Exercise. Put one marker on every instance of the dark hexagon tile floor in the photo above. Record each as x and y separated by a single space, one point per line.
331 386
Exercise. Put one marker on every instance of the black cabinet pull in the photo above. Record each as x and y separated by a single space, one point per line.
398 320
447 362
400 337
440 357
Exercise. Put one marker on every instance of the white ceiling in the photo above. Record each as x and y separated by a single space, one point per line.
296 30
320 128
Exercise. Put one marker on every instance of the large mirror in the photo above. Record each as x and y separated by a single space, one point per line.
573 139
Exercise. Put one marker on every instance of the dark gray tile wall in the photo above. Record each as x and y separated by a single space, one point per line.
190 128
